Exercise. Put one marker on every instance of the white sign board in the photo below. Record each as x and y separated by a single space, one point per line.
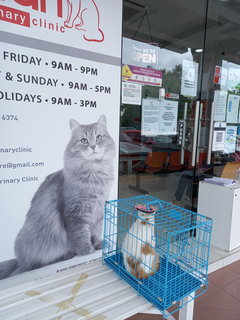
60 104
94 26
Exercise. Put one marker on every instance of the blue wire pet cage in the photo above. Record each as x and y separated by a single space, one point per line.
160 249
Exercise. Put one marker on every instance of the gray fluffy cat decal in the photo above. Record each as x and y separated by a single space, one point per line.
66 213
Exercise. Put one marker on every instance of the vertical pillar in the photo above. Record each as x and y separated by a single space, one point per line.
186 312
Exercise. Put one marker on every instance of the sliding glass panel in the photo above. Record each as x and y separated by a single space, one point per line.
220 128
161 79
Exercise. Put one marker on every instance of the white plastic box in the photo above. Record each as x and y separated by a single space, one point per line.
222 204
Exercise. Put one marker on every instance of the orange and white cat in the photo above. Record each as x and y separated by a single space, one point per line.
138 248
84 16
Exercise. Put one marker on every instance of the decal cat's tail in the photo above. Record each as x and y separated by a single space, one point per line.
7 268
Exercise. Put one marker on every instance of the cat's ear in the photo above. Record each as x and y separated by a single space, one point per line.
102 120
73 124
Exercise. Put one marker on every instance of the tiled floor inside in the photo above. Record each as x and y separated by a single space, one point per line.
220 302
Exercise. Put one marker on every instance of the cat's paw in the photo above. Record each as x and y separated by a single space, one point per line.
87 249
68 24
97 242
79 26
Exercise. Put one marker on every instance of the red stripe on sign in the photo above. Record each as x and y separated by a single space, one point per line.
59 8
15 16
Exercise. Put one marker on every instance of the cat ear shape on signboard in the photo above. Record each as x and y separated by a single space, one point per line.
73 124
102 120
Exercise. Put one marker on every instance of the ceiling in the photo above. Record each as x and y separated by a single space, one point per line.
180 24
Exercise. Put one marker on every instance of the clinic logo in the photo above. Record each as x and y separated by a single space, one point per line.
81 15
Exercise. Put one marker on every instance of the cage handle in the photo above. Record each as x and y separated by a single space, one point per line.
153 202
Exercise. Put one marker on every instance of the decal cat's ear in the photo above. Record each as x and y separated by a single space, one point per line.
102 120
73 124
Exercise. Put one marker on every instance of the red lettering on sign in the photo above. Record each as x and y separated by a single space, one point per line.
29 3
59 8
41 5
15 16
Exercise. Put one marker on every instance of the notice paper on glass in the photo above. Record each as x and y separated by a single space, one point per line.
220 102
233 78
220 76
150 117
168 117
238 139
141 75
131 93
230 139
232 108
219 136
159 117
189 78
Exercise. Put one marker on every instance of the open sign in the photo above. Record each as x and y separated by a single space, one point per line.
144 57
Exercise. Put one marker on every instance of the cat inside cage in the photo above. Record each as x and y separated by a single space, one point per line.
138 247
160 249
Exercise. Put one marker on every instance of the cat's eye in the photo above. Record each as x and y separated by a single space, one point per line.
99 137
84 141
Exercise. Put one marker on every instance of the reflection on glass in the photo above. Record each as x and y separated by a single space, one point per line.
195 47
151 134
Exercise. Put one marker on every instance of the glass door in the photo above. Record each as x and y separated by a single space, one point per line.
163 44
219 133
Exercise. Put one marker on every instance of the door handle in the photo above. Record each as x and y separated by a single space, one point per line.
210 135
199 132
195 134
184 132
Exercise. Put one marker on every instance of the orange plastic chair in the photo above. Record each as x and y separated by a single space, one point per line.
155 162
174 161
230 169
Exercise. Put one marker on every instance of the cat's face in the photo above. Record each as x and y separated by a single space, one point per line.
91 142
